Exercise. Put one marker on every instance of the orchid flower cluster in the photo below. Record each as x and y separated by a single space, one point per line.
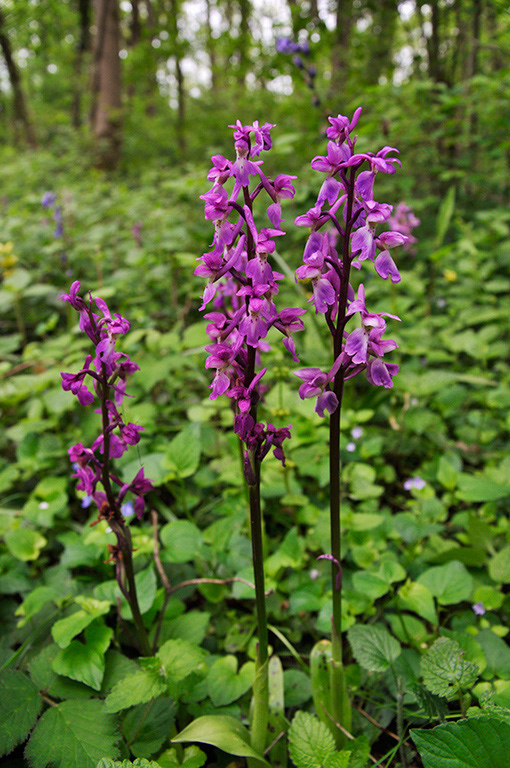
404 221
242 286
106 372
346 201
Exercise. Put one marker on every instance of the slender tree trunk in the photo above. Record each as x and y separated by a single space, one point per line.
340 51
21 116
475 37
383 33
135 29
106 113
211 48
244 40
82 49
174 8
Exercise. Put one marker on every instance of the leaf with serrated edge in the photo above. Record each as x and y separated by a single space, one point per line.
20 704
310 742
482 742
220 731
137 688
180 658
444 669
373 647
73 734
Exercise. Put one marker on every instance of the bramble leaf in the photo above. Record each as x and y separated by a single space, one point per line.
20 704
73 734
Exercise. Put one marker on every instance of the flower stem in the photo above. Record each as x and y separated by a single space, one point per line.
261 684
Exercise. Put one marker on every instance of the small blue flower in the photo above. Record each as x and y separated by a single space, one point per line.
127 509
479 609
415 482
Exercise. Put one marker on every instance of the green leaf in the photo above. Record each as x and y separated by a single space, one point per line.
24 543
33 603
183 541
298 687
417 597
496 652
80 662
220 731
445 216
478 488
107 762
373 647
499 566
182 456
338 759
179 659
370 584
444 669
73 734
20 704
64 630
447 475
310 741
193 757
482 742
137 688
225 684
450 583
146 726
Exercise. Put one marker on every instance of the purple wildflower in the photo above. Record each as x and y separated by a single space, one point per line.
416 482
479 609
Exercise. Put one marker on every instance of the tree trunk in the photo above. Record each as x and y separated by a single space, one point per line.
211 48
244 40
340 51
475 37
382 36
21 117
81 50
106 113
173 16
135 29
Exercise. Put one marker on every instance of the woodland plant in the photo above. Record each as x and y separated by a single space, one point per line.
107 372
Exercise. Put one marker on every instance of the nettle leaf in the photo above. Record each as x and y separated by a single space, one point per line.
220 731
373 647
482 742
444 669
450 583
225 684
137 688
310 741
20 704
73 734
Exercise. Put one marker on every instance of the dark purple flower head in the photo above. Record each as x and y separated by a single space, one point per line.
48 200
286 45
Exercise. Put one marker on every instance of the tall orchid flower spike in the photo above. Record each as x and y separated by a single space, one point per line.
243 289
107 372
346 204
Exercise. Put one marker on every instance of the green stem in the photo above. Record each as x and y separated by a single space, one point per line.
261 685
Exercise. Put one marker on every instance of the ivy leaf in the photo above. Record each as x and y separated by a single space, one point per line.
20 704
373 647
225 684
444 669
73 734
482 742
310 741
137 688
